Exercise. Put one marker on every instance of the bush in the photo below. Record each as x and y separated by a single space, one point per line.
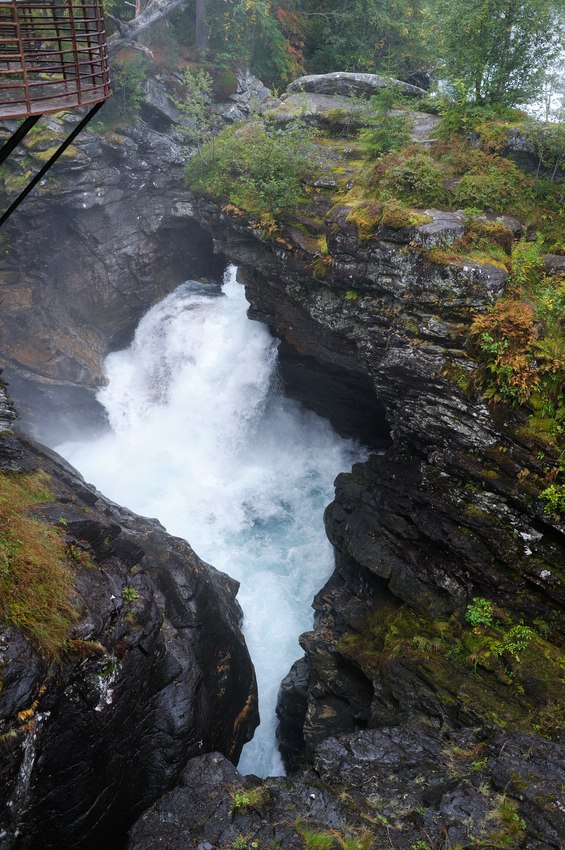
554 499
256 167
416 179
505 335
195 106
548 141
387 132
466 118
128 84
479 612
493 184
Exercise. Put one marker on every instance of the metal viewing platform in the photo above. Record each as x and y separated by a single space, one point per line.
53 57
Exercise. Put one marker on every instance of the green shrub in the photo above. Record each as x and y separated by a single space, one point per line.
554 499
465 118
387 132
516 639
256 167
257 798
417 179
548 141
500 186
479 612
129 594
195 106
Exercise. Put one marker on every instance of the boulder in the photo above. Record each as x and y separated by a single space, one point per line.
346 83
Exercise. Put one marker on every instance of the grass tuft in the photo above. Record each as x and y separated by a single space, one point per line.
35 581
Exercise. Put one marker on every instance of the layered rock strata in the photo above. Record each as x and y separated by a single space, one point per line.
448 514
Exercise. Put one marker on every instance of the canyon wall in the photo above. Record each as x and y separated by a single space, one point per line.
154 669
449 513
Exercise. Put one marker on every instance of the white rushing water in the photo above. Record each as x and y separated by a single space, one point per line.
201 438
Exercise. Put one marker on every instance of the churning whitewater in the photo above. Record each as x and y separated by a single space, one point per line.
202 439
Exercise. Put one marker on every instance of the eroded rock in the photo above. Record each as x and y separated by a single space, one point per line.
155 671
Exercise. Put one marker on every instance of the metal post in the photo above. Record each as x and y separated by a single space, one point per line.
17 137
60 150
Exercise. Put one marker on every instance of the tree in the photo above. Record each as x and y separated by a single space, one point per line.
364 35
499 49
128 31
201 28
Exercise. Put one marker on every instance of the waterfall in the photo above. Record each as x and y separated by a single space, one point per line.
201 438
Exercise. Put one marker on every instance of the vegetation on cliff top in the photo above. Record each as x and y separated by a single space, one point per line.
256 167
271 173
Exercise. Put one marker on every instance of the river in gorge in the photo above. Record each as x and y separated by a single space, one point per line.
202 438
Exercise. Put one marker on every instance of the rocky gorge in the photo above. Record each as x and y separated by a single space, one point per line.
152 668
425 709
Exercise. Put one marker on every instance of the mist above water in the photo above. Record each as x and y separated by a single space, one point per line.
202 439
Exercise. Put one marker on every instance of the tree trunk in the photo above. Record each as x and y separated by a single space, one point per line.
128 31
201 29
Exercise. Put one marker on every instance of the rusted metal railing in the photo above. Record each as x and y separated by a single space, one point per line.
53 56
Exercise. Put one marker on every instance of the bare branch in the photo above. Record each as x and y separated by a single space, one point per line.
128 31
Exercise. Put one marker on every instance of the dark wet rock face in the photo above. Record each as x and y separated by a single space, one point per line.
449 513
91 250
156 671
375 788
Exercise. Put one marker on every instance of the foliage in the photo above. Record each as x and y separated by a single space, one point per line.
501 187
549 146
163 41
520 344
332 839
496 50
516 639
195 106
129 73
510 827
317 840
242 842
415 178
367 216
554 499
505 336
386 132
129 594
251 798
35 580
503 672
453 175
479 612
252 33
463 117
256 167
364 35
